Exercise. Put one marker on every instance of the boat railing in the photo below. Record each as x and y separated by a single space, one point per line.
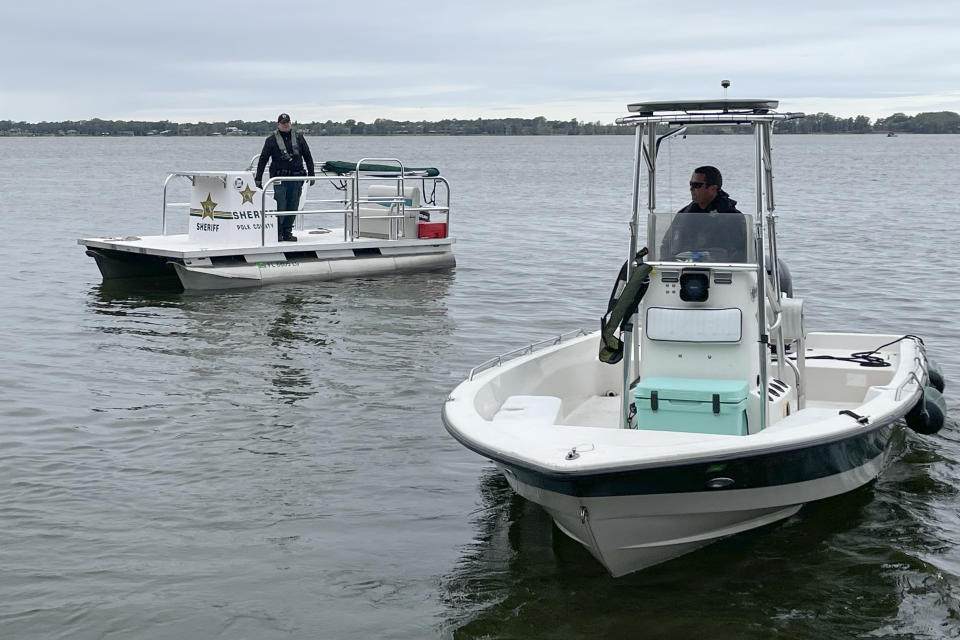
397 213
398 203
919 367
349 204
352 225
530 348
344 209
191 176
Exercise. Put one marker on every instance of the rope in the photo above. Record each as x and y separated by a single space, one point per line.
341 187
867 358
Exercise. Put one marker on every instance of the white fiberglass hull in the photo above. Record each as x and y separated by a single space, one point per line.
632 532
634 497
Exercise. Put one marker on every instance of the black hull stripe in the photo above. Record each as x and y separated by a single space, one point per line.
751 472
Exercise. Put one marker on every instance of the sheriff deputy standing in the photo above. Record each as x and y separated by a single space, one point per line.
287 151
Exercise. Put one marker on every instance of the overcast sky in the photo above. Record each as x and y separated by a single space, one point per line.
320 60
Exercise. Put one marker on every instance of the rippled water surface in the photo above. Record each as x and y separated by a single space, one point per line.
271 463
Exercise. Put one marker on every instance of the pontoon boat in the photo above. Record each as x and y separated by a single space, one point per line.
384 218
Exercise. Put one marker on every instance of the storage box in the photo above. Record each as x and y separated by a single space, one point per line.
697 405
431 229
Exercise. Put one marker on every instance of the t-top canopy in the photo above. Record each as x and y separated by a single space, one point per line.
723 111
725 106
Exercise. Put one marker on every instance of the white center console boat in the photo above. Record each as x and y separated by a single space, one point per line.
703 408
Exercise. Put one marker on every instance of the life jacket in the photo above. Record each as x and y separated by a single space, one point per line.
288 155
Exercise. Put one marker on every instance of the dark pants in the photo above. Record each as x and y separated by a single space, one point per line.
287 195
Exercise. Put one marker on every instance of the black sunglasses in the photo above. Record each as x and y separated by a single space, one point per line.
696 185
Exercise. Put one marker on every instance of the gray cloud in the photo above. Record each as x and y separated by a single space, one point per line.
224 60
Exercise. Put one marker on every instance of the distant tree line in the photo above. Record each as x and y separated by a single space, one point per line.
933 122
379 127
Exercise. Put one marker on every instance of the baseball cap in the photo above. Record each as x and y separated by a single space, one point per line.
283 117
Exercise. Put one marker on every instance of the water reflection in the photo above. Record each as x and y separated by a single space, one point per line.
291 342
834 570
127 297
294 309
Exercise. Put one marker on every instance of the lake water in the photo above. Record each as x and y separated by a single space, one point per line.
271 463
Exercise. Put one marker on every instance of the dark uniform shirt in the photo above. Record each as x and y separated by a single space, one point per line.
279 164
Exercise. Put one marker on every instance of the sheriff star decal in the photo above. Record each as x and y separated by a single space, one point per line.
208 207
247 194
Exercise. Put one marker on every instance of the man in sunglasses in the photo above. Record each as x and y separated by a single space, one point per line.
706 193
698 232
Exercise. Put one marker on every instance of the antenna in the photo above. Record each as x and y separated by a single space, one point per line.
724 84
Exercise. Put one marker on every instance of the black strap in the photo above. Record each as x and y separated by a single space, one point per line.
288 155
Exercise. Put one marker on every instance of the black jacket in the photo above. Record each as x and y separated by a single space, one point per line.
278 165
723 203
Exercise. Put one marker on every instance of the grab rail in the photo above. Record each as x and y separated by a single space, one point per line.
400 199
349 204
184 174
274 213
912 376
530 348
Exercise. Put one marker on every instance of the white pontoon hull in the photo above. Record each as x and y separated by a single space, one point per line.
311 258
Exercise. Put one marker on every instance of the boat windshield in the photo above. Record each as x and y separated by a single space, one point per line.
700 237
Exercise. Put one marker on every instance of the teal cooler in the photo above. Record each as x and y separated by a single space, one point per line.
696 405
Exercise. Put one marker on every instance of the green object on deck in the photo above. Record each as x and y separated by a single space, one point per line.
696 405
340 168
624 301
